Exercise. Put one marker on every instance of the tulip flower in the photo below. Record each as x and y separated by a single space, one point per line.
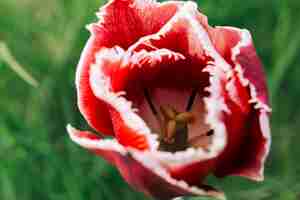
171 98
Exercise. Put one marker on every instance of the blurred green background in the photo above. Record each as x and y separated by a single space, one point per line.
38 161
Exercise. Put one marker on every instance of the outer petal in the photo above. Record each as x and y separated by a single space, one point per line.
256 148
93 109
138 169
247 86
237 47
123 22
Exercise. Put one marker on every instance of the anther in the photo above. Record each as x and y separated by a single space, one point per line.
184 117
168 112
191 99
170 131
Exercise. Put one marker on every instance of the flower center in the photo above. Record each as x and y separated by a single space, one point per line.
174 133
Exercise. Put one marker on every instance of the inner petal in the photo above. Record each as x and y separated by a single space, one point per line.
199 130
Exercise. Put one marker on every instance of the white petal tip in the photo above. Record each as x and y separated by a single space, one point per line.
71 131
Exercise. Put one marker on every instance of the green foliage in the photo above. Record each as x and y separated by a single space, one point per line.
38 161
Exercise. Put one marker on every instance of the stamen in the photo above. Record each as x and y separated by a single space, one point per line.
170 131
185 117
149 101
148 98
191 99
168 112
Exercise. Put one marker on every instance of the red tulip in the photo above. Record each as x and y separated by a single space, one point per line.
181 99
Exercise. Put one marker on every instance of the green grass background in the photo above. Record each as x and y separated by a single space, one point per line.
37 159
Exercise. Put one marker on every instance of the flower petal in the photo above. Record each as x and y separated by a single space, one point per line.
123 22
237 47
191 35
237 124
138 169
106 148
247 94
256 149
93 109
129 128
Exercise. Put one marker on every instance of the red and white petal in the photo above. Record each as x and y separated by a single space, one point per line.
195 42
105 148
199 126
247 82
251 71
123 22
93 109
237 124
139 169
248 139
170 186
237 47
129 127
256 149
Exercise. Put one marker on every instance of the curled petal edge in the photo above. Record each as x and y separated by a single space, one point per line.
249 71
127 159
259 99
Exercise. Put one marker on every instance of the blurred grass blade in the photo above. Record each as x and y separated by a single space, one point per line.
284 62
7 57
7 188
